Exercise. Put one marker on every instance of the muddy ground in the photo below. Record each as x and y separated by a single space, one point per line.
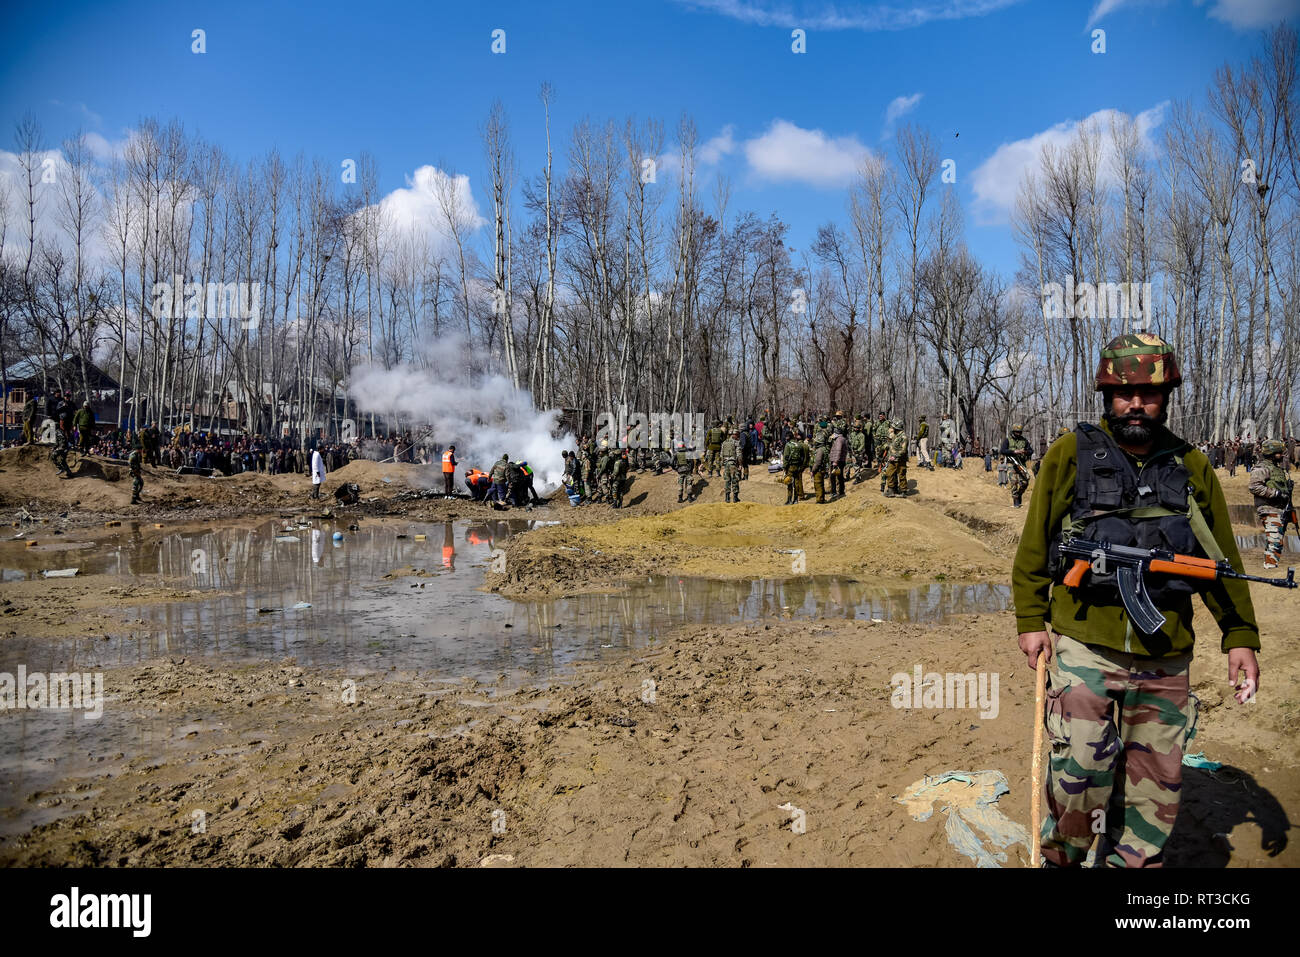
682 756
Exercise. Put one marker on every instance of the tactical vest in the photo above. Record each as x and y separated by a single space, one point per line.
1152 508
681 462
793 456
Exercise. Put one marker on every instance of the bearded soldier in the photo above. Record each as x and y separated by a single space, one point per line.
1272 491
1015 450
1119 707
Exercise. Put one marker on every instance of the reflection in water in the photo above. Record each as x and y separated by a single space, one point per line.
236 588
239 587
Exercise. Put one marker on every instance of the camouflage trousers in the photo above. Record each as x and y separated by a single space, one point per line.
794 478
1019 481
685 483
711 461
731 482
1272 519
1117 724
137 485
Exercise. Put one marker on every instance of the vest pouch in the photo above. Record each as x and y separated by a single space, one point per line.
1172 489
1107 488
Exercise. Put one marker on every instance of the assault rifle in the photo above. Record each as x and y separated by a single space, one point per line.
1131 566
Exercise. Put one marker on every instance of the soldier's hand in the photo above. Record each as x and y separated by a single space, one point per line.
1031 643
1239 660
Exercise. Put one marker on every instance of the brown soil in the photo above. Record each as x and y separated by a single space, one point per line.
744 718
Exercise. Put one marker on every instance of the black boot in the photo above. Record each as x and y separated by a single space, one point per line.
1015 500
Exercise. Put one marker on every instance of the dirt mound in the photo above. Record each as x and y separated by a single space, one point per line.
862 535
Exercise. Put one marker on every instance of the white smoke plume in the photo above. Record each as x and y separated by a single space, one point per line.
482 415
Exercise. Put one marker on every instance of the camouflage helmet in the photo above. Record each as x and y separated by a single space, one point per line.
1017 427
1063 430
1139 358
1272 447
896 424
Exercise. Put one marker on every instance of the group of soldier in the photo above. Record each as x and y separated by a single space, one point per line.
596 474
72 420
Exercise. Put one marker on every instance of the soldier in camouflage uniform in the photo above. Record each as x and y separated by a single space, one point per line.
821 453
683 466
896 468
61 454
794 458
858 447
1119 708
1272 491
135 464
730 456
713 447
1015 449
881 436
617 475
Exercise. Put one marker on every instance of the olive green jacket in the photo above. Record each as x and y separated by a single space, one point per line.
1040 600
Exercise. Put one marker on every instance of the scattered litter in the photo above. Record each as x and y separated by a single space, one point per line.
61 573
338 536
387 480
301 605
401 535
968 800
157 524
877 621
265 611
421 538
286 538
497 860
31 543
1199 760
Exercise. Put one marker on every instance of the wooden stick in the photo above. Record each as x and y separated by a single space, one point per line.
1036 766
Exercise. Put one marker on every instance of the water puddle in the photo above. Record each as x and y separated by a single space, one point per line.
381 596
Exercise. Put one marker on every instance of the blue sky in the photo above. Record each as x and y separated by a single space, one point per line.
412 82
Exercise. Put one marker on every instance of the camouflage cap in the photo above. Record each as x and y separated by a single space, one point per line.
1139 358
1272 447
1017 427
896 424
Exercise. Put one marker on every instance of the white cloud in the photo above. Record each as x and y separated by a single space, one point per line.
996 181
724 144
788 153
1239 14
1251 14
899 107
847 16
417 209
